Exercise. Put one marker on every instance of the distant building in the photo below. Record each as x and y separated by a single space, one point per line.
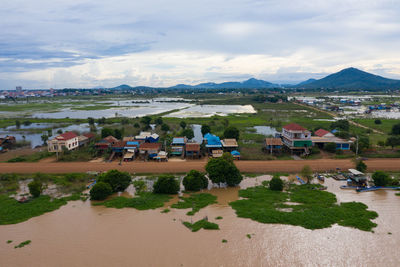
273 145
178 146
296 138
192 150
18 89
324 137
229 145
67 140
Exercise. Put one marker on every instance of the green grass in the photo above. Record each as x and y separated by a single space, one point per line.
165 210
201 224
385 126
23 244
218 218
316 210
35 157
248 236
12 212
196 202
9 241
224 241
398 194
144 201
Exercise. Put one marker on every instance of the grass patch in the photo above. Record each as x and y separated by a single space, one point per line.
201 224
165 210
219 218
23 244
144 201
196 202
35 157
11 211
9 241
316 210
248 236
224 241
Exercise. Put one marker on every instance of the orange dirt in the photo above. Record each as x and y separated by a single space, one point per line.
290 166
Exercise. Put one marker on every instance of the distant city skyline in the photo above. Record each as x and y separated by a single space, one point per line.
86 43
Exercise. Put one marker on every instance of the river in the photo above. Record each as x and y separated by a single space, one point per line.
79 234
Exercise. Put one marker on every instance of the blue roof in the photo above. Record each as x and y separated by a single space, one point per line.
178 140
212 140
334 131
235 153
132 143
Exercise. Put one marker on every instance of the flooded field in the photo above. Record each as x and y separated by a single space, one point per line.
79 234
203 111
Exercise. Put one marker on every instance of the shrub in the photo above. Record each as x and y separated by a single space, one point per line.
330 147
378 121
165 127
307 174
195 181
166 184
188 133
205 129
231 132
381 178
223 170
361 166
100 191
118 181
396 129
140 186
35 188
182 124
276 183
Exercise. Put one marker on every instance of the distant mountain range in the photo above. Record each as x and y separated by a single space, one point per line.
350 78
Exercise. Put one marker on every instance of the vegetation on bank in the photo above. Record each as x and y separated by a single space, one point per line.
23 244
313 209
201 224
12 211
35 157
195 202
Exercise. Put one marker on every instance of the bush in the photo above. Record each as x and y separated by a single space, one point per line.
182 124
315 150
195 181
165 127
35 188
381 178
223 170
330 147
307 173
118 181
140 186
378 121
276 183
166 184
100 191
231 132
205 129
396 129
361 166
188 133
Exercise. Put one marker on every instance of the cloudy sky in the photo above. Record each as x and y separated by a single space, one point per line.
85 43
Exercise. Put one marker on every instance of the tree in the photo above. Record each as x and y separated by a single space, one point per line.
195 181
188 133
378 121
100 191
183 124
146 120
223 170
393 141
341 124
276 183
158 121
231 132
140 186
118 181
166 184
381 178
165 127
17 124
307 173
124 121
361 166
91 121
35 188
106 132
396 129
136 125
44 138
118 133
102 120
205 129
330 147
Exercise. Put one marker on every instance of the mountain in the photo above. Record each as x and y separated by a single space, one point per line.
122 87
352 78
307 82
248 84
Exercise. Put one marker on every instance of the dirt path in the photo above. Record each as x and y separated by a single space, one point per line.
181 167
337 115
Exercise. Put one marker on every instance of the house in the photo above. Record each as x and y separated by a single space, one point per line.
67 140
235 154
106 143
118 147
273 144
324 137
149 150
82 140
90 136
229 145
148 137
217 153
178 146
7 142
296 138
192 150
212 142
356 178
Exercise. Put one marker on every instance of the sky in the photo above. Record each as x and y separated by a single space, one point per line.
85 43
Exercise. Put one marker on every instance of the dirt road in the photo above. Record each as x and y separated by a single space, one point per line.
185 166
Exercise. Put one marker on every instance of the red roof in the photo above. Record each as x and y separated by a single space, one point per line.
67 136
192 147
150 146
321 132
294 127
89 135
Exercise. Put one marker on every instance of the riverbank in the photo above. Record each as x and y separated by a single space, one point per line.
185 166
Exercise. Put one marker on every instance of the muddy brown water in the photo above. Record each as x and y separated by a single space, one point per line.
80 234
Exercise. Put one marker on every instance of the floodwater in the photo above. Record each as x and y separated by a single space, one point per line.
204 111
266 130
79 234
